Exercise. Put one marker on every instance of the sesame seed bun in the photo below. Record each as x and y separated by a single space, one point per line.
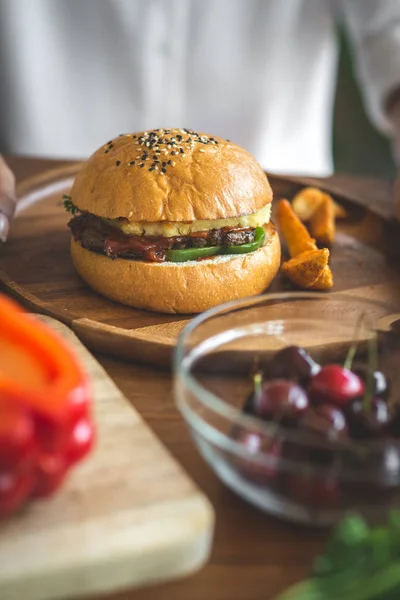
189 287
171 175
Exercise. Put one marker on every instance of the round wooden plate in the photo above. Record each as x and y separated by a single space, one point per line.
36 268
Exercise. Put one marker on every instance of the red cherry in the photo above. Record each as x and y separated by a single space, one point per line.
327 420
314 492
292 363
281 400
336 385
373 420
255 443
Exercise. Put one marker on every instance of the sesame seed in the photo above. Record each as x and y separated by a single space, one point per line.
164 164
173 164
169 162
130 214
132 162
144 156
134 136
105 151
163 170
141 165
151 169
201 150
182 150
183 154
110 142
118 163
173 153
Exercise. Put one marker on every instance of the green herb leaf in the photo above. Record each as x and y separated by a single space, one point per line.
361 563
69 205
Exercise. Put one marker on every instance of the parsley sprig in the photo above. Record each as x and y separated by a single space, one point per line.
69 205
361 562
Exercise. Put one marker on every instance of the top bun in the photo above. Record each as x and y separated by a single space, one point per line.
171 175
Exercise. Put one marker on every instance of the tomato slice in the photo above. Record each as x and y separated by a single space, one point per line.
53 375
50 473
15 488
17 436
81 441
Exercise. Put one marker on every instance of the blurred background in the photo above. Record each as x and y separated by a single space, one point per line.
358 147
261 72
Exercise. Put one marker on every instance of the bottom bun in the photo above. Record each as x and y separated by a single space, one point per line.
185 288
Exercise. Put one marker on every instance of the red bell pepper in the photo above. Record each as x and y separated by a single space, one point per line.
45 398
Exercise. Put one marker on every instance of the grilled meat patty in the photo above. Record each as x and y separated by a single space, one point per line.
97 235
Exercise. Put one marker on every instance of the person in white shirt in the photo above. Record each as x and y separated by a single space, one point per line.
259 72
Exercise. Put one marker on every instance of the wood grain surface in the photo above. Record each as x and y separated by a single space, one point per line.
254 556
36 267
127 516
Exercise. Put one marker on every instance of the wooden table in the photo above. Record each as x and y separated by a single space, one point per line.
254 556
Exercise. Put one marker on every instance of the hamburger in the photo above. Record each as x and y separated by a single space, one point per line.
173 221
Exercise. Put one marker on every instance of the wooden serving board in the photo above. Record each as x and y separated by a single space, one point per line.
35 266
127 516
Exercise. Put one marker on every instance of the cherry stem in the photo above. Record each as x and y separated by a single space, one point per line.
372 367
353 348
257 382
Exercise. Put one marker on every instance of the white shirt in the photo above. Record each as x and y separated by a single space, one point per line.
75 73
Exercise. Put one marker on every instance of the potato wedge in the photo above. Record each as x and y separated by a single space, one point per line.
296 236
307 201
324 281
322 223
339 211
304 270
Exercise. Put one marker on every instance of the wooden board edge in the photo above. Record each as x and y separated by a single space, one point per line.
30 301
129 345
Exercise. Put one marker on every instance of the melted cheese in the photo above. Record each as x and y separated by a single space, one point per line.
171 229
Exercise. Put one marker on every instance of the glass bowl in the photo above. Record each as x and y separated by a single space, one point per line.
288 471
